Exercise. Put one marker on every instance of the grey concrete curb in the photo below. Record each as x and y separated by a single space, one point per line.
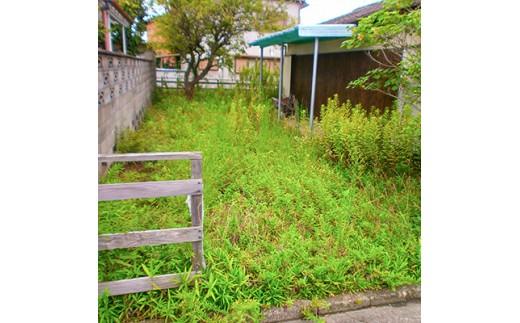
344 303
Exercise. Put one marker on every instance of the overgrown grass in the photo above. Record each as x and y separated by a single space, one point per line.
281 223
386 142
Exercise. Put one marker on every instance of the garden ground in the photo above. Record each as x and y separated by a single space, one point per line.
281 221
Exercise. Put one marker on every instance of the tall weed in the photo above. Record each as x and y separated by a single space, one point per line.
280 222
250 81
386 142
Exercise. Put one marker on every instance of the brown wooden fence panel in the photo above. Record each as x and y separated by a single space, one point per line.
335 70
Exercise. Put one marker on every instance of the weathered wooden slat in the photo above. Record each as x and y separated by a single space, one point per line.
194 234
199 262
110 192
149 238
149 156
143 284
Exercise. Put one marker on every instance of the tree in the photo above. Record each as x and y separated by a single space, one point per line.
396 29
207 33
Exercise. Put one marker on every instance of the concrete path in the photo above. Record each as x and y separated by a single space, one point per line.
409 312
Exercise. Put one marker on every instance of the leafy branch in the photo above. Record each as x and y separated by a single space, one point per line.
395 31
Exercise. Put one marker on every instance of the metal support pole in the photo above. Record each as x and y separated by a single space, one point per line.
261 64
280 83
124 38
313 89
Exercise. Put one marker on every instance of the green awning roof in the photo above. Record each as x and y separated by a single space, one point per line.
304 33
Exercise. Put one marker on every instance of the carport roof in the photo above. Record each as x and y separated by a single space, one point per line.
304 33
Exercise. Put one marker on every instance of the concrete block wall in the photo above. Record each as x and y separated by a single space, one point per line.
125 87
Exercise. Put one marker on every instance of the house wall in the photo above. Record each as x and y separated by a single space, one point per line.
325 46
242 62
334 71
293 18
271 51
125 86
222 74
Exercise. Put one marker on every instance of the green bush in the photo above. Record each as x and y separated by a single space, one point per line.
386 142
250 79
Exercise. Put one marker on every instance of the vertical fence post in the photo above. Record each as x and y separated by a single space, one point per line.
196 217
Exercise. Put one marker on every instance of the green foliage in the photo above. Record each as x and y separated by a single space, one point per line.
207 33
250 79
281 223
136 9
101 34
397 29
244 311
385 79
310 312
135 44
386 143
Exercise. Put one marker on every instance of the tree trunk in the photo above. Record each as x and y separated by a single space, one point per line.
189 87
189 90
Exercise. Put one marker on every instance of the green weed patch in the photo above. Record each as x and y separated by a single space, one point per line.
281 221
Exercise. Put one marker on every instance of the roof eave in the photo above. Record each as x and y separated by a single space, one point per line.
121 11
302 33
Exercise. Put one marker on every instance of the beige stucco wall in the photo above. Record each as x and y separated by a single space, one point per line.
293 13
325 46
272 51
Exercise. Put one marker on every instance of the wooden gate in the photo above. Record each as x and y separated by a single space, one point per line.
193 234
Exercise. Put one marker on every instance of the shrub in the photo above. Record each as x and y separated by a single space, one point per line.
250 79
387 142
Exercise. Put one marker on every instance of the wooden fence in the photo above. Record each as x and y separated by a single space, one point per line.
335 71
193 234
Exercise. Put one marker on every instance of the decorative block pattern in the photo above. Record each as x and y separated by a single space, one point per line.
125 86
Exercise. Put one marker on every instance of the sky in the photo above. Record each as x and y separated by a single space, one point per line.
321 10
